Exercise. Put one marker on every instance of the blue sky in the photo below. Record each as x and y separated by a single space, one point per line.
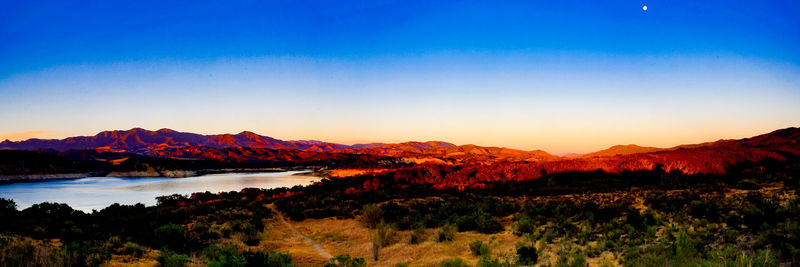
564 76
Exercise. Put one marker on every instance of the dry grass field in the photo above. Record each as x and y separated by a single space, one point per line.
349 236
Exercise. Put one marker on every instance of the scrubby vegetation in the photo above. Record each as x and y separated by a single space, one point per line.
478 248
641 218
178 226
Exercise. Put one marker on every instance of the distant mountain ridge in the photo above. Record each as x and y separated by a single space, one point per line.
136 149
138 140
170 143
777 137
231 147
622 150
439 149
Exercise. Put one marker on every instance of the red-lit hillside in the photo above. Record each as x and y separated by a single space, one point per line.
451 152
169 143
778 151
143 141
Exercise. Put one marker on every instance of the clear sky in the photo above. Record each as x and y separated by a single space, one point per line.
563 76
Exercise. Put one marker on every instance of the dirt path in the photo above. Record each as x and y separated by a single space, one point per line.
321 250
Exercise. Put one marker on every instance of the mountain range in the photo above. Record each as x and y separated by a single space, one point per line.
247 146
165 152
138 140
170 143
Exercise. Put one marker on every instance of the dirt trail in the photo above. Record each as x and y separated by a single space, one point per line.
321 250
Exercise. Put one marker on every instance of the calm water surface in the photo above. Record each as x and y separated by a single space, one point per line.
98 192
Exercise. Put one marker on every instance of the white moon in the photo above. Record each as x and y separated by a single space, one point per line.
644 8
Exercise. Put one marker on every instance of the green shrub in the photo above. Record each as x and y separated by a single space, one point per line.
596 250
113 242
383 234
418 235
486 261
684 247
16 252
577 260
371 215
730 235
381 238
251 234
456 262
573 258
267 258
75 254
487 224
478 248
223 256
549 235
447 233
131 248
727 256
524 226
583 237
345 260
170 259
25 252
606 262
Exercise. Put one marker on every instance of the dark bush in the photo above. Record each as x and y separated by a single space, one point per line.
170 259
223 256
267 258
75 254
748 184
487 224
457 262
171 236
232 256
170 200
447 233
486 261
418 235
634 218
524 226
371 215
526 255
478 248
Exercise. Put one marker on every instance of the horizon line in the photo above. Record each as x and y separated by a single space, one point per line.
573 154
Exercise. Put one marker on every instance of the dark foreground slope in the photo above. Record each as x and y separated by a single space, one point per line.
567 218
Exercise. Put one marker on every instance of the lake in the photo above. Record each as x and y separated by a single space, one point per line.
91 193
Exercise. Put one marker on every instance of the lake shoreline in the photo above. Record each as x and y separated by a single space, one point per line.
35 178
98 192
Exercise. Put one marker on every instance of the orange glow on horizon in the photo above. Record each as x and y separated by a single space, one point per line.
24 135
